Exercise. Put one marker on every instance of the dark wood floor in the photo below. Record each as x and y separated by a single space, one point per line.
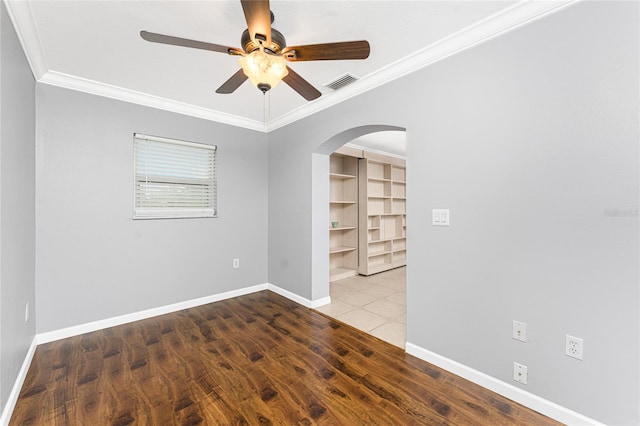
253 360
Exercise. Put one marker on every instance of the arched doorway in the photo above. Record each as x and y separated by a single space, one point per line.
357 313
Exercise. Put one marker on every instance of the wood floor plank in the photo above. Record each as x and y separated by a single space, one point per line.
252 360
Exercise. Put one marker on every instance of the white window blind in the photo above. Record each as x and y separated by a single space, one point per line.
173 179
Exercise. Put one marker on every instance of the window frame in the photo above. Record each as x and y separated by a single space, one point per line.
175 212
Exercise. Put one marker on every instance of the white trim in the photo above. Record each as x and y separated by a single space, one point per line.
67 81
320 302
299 299
198 145
527 399
76 330
22 18
521 13
514 393
17 386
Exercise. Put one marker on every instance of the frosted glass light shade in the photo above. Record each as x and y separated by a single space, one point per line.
264 70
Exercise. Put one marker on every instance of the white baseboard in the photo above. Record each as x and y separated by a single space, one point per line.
516 394
541 405
320 302
298 299
64 333
76 330
17 386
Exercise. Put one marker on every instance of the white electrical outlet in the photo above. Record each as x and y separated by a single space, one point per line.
26 312
573 347
236 263
520 373
520 331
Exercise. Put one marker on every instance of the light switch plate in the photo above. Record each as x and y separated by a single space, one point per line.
440 217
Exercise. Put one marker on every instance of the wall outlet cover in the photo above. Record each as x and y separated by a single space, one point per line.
520 374
520 331
574 347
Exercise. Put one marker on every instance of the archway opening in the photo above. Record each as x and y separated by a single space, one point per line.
385 143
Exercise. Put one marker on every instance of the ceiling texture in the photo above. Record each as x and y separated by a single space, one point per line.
94 46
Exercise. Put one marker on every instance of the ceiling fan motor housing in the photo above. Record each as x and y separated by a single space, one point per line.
278 42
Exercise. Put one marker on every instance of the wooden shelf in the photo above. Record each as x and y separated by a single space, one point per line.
341 273
377 242
379 253
342 228
382 240
343 208
341 249
341 176
382 206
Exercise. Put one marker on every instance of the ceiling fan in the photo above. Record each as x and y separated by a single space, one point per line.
265 52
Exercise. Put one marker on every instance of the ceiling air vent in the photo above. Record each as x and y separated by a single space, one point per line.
343 80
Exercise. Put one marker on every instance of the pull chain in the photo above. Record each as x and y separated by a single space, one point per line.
266 106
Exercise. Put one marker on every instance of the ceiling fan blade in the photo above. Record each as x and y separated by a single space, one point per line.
233 83
328 51
258 16
300 85
185 42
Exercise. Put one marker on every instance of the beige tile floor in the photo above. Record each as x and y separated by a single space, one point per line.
376 304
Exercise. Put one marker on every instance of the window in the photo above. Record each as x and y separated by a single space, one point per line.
173 179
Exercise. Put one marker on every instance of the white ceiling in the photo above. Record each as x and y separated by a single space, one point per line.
94 46
392 142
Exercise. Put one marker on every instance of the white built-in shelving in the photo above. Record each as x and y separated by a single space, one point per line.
343 216
382 213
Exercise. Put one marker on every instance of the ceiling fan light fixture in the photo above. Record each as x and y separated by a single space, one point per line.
264 70
265 53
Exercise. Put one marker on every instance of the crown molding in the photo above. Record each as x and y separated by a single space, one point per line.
118 93
521 13
22 19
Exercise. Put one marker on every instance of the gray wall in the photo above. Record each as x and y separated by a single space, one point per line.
17 205
94 261
531 140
